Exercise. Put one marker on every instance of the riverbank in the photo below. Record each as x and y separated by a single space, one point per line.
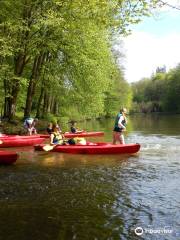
16 126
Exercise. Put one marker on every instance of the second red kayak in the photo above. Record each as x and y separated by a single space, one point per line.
80 134
8 157
66 134
20 142
93 148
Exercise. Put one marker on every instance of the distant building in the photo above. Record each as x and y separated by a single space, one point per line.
161 69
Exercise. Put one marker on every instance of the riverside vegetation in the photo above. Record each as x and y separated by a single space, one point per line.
160 93
57 58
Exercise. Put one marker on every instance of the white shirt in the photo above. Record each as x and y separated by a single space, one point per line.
120 125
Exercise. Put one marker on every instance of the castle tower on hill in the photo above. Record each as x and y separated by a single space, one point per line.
161 69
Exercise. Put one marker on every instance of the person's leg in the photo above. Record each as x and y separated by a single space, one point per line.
121 138
114 137
34 130
28 131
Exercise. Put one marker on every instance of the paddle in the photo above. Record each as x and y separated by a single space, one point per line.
48 147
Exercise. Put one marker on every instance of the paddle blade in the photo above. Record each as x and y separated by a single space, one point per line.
48 148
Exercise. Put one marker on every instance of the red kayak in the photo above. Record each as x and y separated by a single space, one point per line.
19 136
7 157
19 142
92 148
78 134
66 134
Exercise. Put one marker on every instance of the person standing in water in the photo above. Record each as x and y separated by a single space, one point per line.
120 126
29 125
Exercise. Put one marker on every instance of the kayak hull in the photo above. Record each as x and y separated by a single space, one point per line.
8 157
94 148
81 134
67 135
19 137
19 142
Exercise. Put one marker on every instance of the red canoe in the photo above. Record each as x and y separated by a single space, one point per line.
19 137
19 142
7 157
67 135
81 134
94 148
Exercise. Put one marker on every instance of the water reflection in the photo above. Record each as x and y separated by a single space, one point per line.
70 160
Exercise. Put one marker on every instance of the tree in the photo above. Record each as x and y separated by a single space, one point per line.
77 37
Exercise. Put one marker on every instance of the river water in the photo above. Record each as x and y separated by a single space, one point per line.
54 196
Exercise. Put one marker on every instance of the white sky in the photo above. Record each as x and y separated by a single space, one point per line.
154 42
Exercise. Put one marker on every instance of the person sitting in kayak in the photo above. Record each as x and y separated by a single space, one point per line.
74 128
120 127
29 125
58 127
49 128
56 137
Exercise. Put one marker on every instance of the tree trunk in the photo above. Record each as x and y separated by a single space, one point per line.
45 105
49 103
52 104
38 113
38 62
56 108
19 67
20 62
6 98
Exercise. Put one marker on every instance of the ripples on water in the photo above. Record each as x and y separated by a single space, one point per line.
61 196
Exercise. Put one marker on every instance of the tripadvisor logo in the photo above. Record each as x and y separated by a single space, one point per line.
138 231
163 230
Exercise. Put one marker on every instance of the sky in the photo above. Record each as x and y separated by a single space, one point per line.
154 42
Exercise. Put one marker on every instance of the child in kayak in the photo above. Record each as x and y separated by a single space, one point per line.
29 125
58 127
49 128
55 136
74 128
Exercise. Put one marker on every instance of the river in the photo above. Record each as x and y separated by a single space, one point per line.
54 196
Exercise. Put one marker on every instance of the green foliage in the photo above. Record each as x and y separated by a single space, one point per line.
78 70
49 117
118 95
172 91
159 93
